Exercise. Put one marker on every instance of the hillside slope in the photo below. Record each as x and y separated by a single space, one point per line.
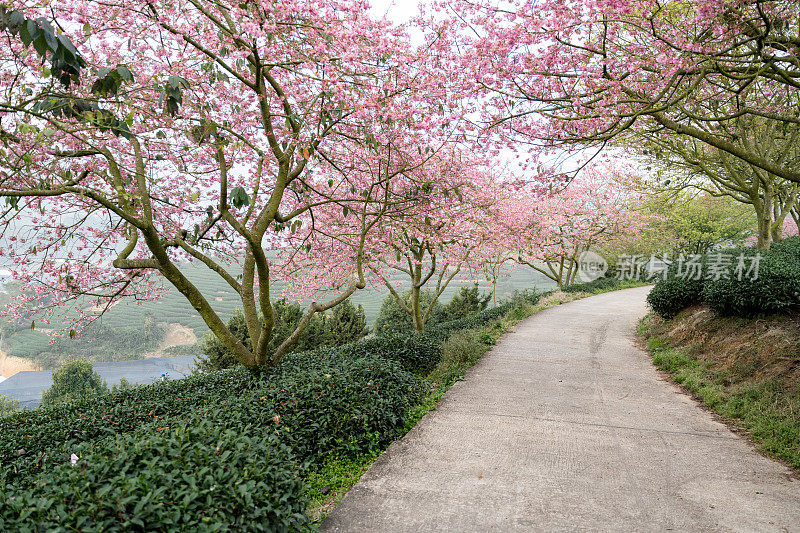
745 370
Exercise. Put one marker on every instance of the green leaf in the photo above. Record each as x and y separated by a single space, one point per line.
239 197
125 73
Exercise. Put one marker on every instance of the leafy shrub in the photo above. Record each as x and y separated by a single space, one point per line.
123 385
463 347
74 380
524 297
466 302
394 319
442 331
189 477
216 355
776 289
671 295
415 353
8 406
42 433
337 405
326 402
346 324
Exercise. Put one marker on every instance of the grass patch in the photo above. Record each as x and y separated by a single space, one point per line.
768 409
328 484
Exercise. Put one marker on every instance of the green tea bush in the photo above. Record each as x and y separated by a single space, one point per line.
776 289
35 438
318 403
8 406
337 405
74 380
193 477
672 295
417 352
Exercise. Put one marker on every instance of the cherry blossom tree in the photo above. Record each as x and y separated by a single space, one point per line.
550 231
150 133
578 74
440 234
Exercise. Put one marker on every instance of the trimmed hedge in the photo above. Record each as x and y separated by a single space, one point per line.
777 288
672 295
417 352
194 477
319 403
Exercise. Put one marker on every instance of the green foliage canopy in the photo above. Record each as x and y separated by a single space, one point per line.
74 380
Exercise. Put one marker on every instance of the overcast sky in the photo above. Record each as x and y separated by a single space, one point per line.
397 10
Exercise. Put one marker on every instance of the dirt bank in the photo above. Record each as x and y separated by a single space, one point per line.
10 365
752 350
176 335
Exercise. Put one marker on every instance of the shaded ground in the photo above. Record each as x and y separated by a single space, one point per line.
566 425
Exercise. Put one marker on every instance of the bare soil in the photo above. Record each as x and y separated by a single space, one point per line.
176 335
10 365
752 350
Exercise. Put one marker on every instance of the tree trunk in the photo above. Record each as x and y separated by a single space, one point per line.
416 308
764 216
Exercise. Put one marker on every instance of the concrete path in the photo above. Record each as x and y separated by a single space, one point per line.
566 425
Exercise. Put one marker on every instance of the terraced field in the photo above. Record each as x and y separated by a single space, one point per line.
174 309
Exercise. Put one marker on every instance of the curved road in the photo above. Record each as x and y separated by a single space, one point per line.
566 425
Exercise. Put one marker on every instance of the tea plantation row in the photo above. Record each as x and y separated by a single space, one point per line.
221 451
770 283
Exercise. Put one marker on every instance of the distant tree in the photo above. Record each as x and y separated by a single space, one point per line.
393 318
467 301
74 380
686 222
347 323
8 406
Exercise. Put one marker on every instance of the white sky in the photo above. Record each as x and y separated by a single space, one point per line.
399 11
